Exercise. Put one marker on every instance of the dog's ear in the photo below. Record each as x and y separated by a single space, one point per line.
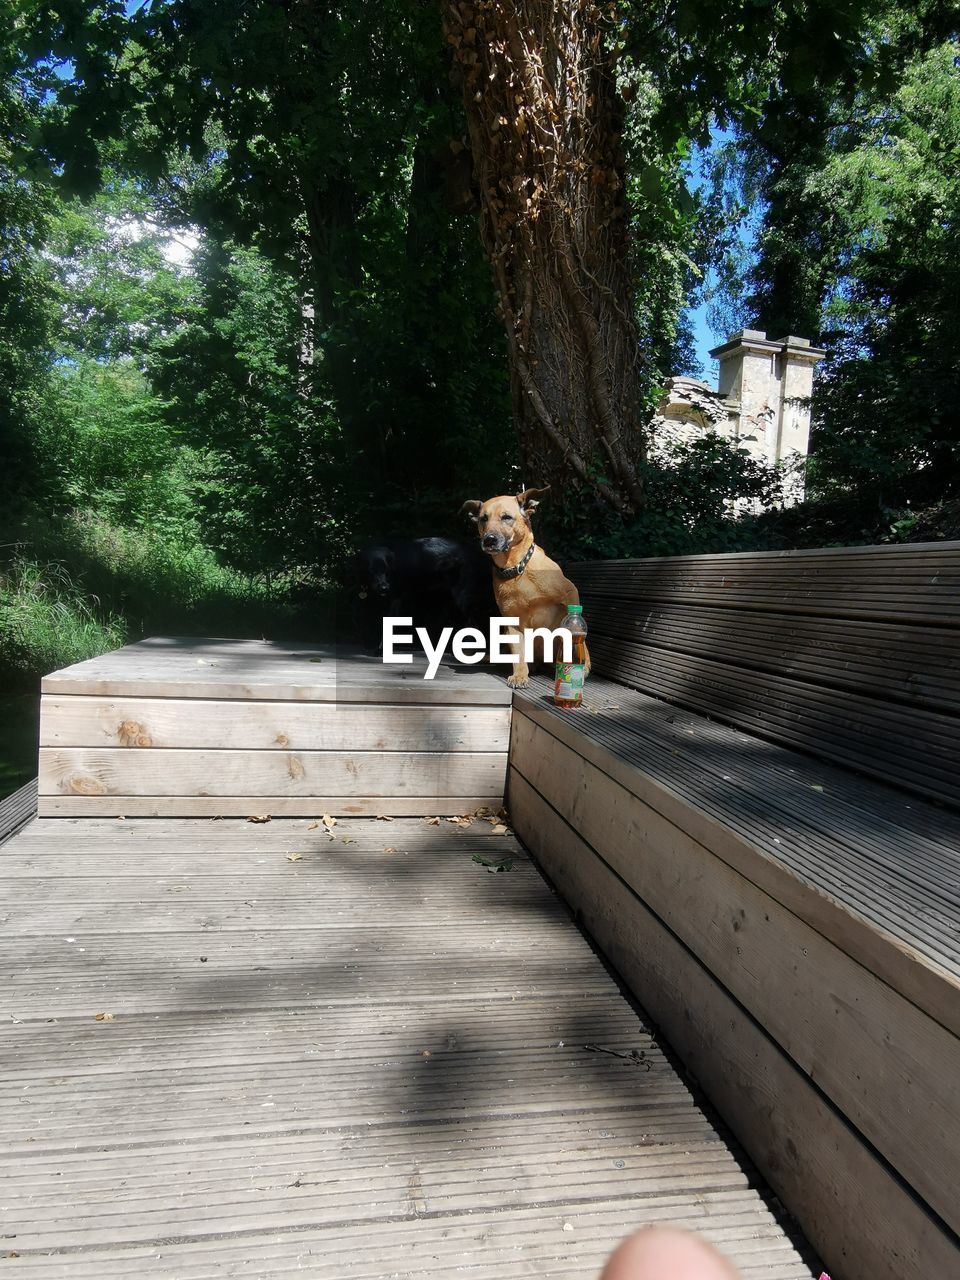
471 509
529 500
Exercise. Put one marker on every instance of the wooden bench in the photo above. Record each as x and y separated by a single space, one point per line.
755 815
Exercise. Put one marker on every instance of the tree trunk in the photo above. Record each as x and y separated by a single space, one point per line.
544 122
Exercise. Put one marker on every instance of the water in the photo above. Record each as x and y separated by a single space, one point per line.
19 723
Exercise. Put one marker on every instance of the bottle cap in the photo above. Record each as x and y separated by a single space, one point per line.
574 608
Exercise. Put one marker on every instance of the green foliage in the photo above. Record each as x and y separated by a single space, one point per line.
154 579
46 621
26 307
319 142
117 286
887 420
325 138
110 448
77 585
698 490
858 182
235 402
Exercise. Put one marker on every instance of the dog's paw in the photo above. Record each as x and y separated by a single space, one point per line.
518 681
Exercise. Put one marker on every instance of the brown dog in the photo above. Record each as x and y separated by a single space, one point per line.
527 584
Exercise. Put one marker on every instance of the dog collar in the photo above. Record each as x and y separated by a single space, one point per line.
515 570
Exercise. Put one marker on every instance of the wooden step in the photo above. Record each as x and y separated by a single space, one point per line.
215 728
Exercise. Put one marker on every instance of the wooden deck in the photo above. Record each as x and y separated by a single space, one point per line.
18 809
237 1049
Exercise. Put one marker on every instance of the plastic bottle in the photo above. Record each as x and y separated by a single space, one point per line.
568 688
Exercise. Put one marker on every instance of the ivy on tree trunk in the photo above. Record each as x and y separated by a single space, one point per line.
545 128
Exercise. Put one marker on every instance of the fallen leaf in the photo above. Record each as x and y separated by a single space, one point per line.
328 822
347 840
259 817
816 788
426 1053
103 1017
493 864
294 857
499 830
432 822
313 826
388 848
384 817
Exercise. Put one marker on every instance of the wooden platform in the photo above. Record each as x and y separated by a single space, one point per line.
230 1049
185 728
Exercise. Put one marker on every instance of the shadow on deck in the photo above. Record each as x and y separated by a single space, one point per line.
251 1049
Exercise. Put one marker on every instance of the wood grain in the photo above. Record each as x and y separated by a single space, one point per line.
252 669
17 809
244 806
852 655
79 721
873 870
91 771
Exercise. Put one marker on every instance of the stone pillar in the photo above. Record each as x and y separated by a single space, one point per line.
796 364
767 384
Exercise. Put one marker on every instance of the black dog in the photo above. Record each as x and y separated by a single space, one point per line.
435 581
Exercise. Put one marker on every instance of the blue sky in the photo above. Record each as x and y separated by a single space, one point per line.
704 339
704 335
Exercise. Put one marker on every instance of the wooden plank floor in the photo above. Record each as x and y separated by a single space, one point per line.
357 1055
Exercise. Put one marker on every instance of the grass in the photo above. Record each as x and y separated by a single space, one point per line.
75 585
46 621
163 583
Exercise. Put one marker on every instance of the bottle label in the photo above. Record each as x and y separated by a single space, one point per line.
569 682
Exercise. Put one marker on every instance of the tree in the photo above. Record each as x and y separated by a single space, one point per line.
318 139
544 120
26 290
542 89
887 421
857 247
321 110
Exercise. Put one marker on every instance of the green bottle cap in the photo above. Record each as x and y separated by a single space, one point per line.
574 608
